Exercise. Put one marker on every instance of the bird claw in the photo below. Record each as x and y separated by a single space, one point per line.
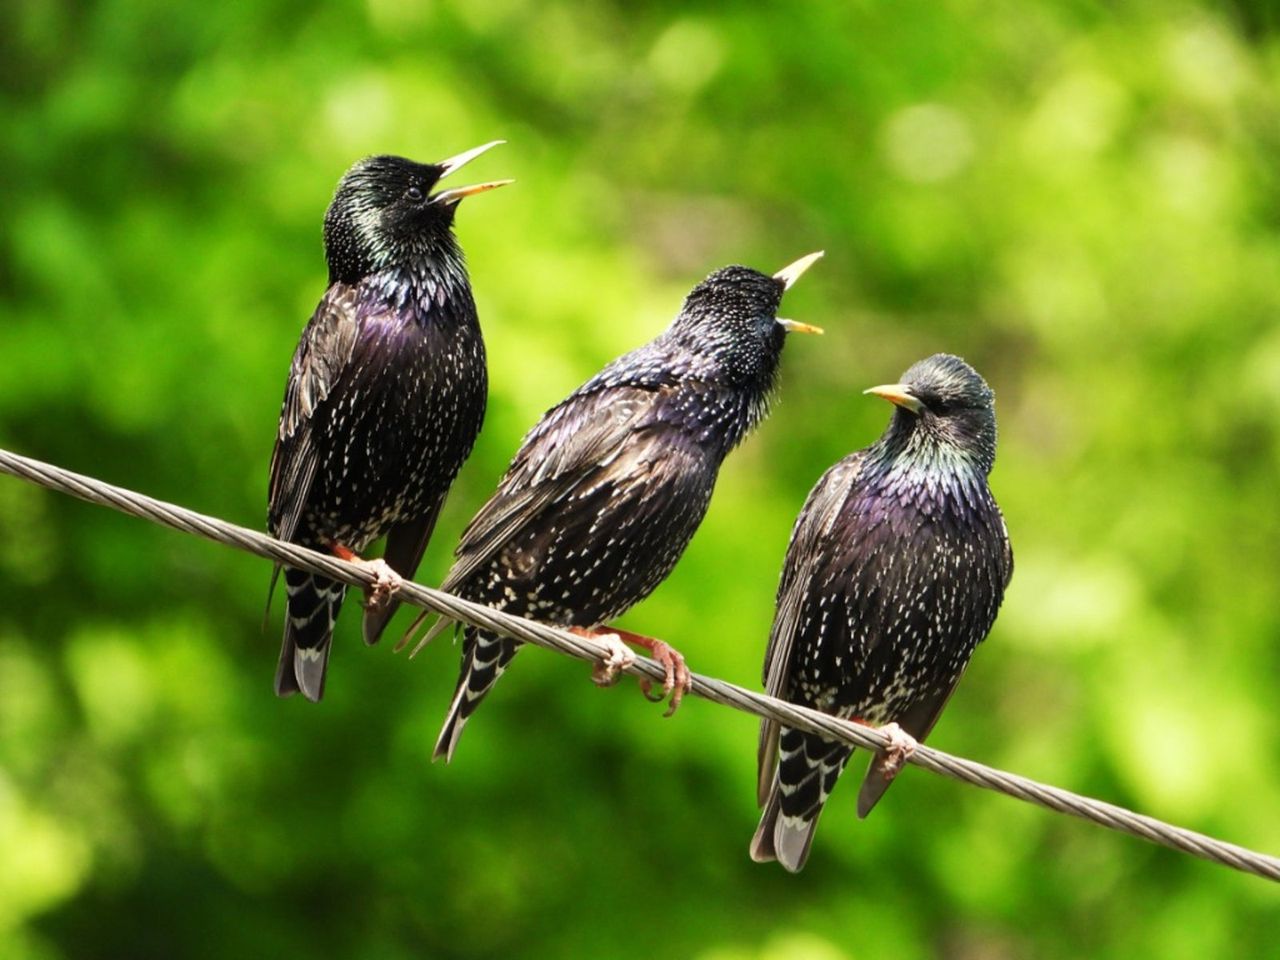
675 684
386 582
609 668
385 585
890 761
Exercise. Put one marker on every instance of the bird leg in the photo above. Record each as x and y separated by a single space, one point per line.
386 581
890 761
620 656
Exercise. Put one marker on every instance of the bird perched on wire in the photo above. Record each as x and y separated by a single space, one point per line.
607 490
385 397
896 568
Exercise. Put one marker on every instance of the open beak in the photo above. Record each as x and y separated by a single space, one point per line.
461 160
793 326
899 394
793 271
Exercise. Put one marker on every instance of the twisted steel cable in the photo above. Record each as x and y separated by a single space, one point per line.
584 648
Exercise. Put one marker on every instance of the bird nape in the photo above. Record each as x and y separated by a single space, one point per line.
384 399
606 491
895 571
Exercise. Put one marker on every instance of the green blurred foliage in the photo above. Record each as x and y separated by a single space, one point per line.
1080 198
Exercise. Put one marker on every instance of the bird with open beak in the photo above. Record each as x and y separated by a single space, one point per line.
384 399
608 488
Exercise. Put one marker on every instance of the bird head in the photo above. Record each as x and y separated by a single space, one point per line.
384 213
943 404
731 318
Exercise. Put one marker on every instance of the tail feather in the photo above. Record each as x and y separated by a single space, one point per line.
808 768
874 784
484 659
312 608
440 626
763 849
766 761
782 838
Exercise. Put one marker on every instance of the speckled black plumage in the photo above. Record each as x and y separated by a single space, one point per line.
894 574
385 397
607 490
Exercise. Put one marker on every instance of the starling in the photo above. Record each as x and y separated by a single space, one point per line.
385 397
896 568
607 490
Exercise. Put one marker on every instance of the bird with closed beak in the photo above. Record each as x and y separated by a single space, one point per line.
385 397
608 488
896 568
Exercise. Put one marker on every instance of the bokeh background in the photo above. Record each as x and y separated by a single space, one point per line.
1080 198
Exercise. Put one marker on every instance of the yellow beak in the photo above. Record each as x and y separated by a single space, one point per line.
457 193
899 394
793 271
461 160
794 326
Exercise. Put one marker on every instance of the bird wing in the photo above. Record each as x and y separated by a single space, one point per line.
804 555
583 435
1008 551
323 353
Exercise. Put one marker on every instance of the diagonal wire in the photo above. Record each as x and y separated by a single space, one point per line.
584 648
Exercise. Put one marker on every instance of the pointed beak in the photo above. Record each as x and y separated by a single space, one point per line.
457 193
793 326
899 394
793 271
461 160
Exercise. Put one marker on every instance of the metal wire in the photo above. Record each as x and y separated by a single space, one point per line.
584 648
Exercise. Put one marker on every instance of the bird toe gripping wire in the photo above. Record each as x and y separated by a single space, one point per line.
608 671
676 677
898 750
385 585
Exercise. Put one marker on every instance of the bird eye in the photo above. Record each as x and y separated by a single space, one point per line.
414 193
